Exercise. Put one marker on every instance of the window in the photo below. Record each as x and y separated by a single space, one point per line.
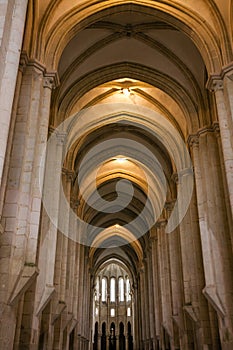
97 287
112 312
128 295
129 312
112 289
104 289
121 289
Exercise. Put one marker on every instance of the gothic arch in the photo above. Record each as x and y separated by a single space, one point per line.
194 117
192 25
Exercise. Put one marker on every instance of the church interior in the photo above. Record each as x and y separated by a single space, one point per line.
116 174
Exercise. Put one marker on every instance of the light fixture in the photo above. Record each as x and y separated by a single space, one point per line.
126 92
120 160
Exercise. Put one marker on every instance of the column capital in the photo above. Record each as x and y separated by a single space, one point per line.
29 63
169 205
193 140
227 71
215 81
177 177
60 135
162 223
153 234
68 173
51 80
74 202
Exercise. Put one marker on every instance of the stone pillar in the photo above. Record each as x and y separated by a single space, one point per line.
21 210
217 256
151 310
67 245
12 24
176 281
142 305
81 292
146 297
74 227
49 83
223 90
156 283
137 317
164 272
48 239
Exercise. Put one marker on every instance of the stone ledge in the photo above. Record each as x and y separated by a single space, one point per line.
26 278
211 295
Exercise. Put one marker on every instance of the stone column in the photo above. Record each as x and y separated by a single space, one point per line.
49 225
214 231
67 244
81 292
136 329
49 83
176 280
146 297
151 303
74 228
12 25
21 210
142 305
164 272
156 283
223 90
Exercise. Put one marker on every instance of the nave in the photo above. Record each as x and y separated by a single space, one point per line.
116 185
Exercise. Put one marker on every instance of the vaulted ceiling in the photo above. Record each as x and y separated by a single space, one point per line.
116 61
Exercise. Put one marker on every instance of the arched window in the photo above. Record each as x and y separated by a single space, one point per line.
104 289
97 287
121 289
128 311
113 290
128 290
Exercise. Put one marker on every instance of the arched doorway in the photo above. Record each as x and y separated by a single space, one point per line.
112 337
103 337
121 336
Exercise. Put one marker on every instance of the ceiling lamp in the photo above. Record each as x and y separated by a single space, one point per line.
126 92
120 160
